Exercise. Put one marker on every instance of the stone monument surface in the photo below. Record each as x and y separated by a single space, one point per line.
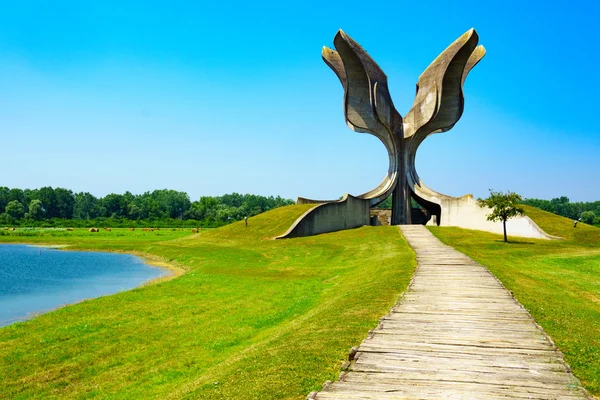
368 108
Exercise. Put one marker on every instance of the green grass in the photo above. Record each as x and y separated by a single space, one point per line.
81 236
251 318
557 281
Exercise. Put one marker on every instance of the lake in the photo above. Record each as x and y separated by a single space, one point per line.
38 279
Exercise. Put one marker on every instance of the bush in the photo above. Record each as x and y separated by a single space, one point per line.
588 217
6 219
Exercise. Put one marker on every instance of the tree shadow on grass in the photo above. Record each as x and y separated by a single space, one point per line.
513 242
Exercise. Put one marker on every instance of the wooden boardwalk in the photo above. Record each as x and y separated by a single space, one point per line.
457 333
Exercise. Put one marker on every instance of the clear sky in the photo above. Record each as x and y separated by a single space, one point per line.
216 97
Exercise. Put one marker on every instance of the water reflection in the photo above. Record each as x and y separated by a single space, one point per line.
35 279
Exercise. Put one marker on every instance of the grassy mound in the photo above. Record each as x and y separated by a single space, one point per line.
558 281
251 318
556 225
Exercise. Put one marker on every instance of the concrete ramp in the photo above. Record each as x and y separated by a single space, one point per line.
330 216
464 212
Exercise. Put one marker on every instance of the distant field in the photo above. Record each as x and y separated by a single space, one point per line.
557 281
251 318
82 235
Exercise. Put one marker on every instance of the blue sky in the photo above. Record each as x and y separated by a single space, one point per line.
233 96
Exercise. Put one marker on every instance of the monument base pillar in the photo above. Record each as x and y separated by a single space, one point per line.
401 210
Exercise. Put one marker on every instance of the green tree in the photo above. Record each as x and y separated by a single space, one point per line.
588 217
36 211
28 195
65 203
6 219
16 195
85 206
15 209
171 203
387 203
209 206
115 205
48 198
159 205
196 211
4 198
504 206
133 211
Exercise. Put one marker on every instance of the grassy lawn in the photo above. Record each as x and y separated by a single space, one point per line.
557 281
82 238
251 317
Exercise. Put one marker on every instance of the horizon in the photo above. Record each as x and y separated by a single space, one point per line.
192 199
209 99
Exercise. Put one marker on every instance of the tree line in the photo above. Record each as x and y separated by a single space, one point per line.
49 206
589 212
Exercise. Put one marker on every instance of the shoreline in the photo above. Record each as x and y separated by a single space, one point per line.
153 261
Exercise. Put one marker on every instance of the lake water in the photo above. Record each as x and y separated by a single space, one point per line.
38 279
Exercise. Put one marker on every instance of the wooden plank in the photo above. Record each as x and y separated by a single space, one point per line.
441 391
435 361
523 379
475 390
456 333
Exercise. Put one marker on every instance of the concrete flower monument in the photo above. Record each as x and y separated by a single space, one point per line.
368 108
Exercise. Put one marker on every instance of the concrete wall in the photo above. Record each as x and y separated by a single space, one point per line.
350 212
464 212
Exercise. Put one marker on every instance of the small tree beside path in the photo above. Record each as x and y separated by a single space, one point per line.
504 206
